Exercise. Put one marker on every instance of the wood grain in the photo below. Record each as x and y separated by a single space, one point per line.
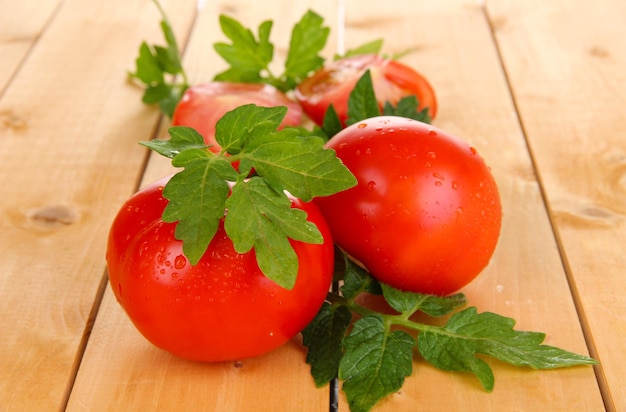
21 24
69 159
566 66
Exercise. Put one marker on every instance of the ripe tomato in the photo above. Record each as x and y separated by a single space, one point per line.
204 104
425 215
222 308
333 84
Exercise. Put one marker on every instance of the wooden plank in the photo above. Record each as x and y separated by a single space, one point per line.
21 23
121 370
567 66
452 46
69 160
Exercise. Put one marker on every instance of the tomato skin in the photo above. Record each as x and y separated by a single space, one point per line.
333 84
426 213
204 104
221 309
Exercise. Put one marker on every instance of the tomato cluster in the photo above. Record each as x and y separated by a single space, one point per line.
425 217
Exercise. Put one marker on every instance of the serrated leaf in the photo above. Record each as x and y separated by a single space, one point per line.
357 280
362 102
197 197
147 66
308 38
468 333
407 107
181 138
375 362
299 164
409 302
246 55
236 128
323 337
372 47
331 124
261 218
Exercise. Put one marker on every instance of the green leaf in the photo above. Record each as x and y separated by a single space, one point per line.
299 164
308 38
375 362
409 302
357 280
148 69
467 333
362 102
236 128
331 124
407 107
323 337
197 197
372 47
259 217
247 56
181 138
157 68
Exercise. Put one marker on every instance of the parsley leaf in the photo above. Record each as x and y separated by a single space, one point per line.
256 210
467 333
158 67
249 57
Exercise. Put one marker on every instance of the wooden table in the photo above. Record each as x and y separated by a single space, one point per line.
537 86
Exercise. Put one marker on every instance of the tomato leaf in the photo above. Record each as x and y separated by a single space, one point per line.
247 55
234 130
181 138
372 47
375 362
331 124
408 303
407 107
158 67
261 218
258 213
357 280
362 102
197 197
467 333
308 38
324 336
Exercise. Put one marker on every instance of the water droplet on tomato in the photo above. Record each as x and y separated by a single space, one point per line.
432 132
431 155
455 185
438 183
371 185
362 125
180 262
472 150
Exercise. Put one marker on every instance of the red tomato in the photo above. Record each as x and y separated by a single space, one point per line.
203 105
425 215
222 308
333 84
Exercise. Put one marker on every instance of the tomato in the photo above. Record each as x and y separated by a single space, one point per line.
204 104
426 213
222 308
333 84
